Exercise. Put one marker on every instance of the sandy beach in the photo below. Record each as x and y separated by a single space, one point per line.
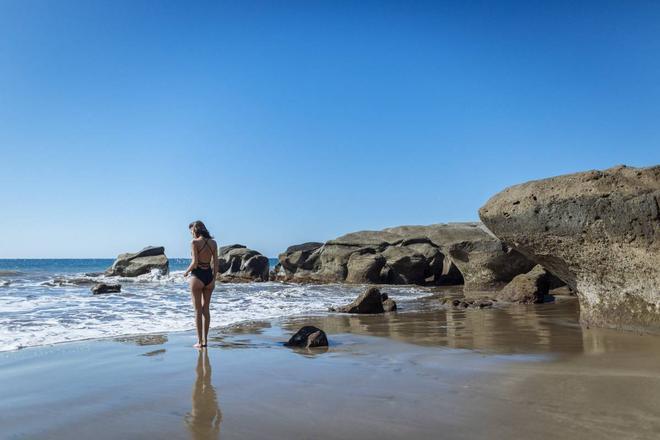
517 372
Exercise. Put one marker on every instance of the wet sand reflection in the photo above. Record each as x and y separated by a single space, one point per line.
515 329
204 418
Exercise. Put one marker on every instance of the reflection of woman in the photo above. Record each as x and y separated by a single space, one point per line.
204 418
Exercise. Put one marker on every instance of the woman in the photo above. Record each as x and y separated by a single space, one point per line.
204 267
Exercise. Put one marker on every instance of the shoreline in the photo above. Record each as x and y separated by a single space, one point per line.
415 374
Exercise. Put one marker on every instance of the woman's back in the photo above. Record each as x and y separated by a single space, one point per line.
206 248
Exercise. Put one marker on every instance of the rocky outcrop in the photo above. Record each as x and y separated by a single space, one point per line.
105 288
238 263
527 288
425 255
308 337
132 265
598 231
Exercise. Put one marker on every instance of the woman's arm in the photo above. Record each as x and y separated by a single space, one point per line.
193 263
214 261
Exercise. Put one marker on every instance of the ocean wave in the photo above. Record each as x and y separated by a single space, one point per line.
151 303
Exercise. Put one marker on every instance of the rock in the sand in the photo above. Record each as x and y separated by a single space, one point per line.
598 231
238 263
106 288
425 255
308 337
140 263
370 301
528 288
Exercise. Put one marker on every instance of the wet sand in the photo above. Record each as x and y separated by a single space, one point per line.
520 372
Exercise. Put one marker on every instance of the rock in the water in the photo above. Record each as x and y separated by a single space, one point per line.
528 288
389 305
562 291
236 262
598 231
468 303
140 263
370 301
106 288
438 254
308 337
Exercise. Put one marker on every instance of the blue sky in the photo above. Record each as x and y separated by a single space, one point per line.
283 122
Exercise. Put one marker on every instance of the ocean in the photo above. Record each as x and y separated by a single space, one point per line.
48 301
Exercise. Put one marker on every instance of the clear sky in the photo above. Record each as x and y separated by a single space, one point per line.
283 122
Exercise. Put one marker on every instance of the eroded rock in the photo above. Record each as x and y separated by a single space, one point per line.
238 263
424 255
598 231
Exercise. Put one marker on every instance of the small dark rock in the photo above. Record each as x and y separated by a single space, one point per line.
106 288
477 303
308 337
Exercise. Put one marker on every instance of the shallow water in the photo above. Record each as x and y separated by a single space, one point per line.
49 301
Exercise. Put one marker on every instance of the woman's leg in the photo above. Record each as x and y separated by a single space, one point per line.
196 289
206 313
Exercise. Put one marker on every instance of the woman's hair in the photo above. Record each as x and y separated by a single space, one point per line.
199 229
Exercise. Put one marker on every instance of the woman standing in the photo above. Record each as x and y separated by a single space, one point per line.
204 268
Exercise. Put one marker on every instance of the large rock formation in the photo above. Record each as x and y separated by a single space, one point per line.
599 231
132 265
238 263
425 255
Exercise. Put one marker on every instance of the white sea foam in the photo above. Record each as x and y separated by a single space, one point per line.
32 314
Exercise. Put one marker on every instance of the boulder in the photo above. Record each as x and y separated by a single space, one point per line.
389 305
368 302
425 255
300 257
599 232
139 263
106 288
238 263
528 288
308 337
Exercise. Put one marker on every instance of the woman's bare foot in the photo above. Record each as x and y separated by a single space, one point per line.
198 345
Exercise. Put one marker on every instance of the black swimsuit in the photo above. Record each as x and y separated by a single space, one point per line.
203 271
